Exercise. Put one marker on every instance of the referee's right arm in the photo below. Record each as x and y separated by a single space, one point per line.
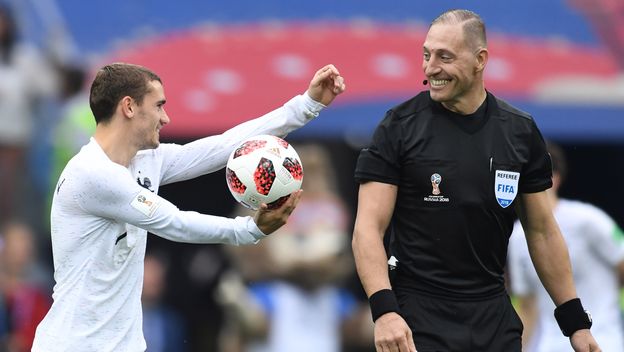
375 207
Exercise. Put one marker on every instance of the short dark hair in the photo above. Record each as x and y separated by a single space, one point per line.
473 26
558 159
115 81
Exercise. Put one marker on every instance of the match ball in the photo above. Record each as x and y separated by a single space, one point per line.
263 169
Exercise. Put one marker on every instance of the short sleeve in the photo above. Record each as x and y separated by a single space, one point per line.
381 160
537 172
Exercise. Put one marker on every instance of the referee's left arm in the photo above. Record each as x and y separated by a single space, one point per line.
547 247
550 257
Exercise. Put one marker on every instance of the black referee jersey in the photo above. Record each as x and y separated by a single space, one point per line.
457 178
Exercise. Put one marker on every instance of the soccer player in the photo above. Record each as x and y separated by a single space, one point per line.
596 246
106 201
445 174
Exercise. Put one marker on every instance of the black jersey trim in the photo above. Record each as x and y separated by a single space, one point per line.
367 177
412 107
505 106
537 187
121 237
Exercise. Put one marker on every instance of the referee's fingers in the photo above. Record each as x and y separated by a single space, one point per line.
410 341
406 345
389 347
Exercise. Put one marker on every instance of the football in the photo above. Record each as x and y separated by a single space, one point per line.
263 169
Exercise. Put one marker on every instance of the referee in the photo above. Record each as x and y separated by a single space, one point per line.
445 175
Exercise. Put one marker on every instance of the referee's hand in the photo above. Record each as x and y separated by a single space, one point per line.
269 220
583 341
392 334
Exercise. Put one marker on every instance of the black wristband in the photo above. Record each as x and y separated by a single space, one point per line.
572 317
382 302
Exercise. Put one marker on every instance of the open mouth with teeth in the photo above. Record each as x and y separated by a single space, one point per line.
439 82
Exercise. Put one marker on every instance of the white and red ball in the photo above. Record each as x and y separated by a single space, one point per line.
263 169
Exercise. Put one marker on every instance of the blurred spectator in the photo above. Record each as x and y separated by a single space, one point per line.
596 246
163 327
72 128
27 78
76 123
203 268
65 127
607 18
4 321
24 284
295 300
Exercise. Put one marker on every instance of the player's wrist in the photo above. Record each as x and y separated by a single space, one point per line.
312 105
571 317
382 302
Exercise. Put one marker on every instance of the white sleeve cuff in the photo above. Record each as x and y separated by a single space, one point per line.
252 228
312 106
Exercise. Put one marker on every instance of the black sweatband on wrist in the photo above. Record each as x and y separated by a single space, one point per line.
382 302
572 317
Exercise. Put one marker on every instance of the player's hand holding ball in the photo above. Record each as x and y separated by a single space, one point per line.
269 220
265 173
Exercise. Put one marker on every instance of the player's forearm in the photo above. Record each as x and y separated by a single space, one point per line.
192 227
292 115
210 154
371 261
132 204
552 263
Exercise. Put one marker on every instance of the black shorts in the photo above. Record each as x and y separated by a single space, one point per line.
440 325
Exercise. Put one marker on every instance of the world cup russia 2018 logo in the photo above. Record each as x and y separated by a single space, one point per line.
436 179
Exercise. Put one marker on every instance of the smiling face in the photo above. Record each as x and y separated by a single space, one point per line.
454 68
151 116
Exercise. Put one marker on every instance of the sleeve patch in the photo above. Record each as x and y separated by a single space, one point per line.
146 202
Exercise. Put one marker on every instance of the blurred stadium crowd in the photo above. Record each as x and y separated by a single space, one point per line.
296 291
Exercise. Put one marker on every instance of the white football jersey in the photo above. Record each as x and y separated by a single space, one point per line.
101 213
596 247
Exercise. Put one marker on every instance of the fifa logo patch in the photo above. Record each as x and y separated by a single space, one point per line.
436 179
506 187
145 202
436 196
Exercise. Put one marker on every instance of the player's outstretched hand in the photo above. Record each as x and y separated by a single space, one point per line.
326 84
583 341
269 220
392 334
